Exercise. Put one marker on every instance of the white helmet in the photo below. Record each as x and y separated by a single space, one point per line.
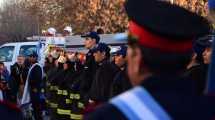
68 28
52 31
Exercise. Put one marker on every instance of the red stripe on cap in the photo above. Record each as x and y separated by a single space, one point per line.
151 40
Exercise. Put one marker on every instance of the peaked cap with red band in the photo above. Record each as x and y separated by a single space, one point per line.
161 25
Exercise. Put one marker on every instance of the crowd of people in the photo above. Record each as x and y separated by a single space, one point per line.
161 74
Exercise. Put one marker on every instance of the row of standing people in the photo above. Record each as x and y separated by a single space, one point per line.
75 89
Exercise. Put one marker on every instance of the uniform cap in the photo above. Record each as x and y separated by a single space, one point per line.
52 31
68 29
122 51
164 26
102 47
92 35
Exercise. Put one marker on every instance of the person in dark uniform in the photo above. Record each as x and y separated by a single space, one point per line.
54 77
160 48
49 64
4 82
91 40
100 89
197 70
121 81
62 93
70 105
35 78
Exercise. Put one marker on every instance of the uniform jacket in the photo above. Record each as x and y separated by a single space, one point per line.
176 95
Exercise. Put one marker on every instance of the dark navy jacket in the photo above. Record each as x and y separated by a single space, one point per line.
176 95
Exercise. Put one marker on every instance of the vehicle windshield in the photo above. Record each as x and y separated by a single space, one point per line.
6 53
27 49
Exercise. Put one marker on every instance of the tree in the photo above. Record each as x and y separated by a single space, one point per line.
16 23
81 15
198 6
85 15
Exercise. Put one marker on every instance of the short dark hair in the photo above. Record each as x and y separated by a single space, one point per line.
165 62
1 63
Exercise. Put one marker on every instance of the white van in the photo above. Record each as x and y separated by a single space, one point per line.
10 51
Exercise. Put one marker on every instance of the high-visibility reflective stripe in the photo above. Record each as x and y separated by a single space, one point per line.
76 116
63 112
80 105
53 105
65 92
138 104
77 96
59 92
72 96
68 101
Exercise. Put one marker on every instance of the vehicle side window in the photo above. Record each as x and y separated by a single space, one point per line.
27 49
6 53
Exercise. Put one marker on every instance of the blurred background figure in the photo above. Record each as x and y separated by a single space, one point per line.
33 88
91 40
67 31
51 32
121 81
18 77
4 81
105 73
197 70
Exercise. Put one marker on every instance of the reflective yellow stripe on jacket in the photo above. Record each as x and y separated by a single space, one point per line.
59 92
75 96
53 105
76 116
63 112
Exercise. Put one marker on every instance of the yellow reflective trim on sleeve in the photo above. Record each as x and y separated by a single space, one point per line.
80 105
68 101
59 92
53 105
76 116
77 96
72 96
65 92
63 112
